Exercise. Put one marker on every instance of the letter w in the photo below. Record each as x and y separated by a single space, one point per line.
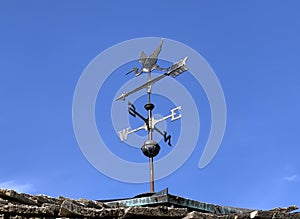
124 134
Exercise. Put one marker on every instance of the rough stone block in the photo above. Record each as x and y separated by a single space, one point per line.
161 211
8 194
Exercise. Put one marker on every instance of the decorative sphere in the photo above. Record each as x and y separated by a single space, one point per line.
150 148
149 106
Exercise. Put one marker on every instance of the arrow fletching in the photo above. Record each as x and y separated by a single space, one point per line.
178 68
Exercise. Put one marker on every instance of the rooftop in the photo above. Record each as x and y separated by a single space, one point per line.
14 205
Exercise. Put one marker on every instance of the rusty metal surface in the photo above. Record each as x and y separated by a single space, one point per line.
164 198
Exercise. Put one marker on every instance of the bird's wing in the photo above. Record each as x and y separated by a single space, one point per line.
142 57
155 54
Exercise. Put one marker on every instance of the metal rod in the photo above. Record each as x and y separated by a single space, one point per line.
151 158
150 131
149 111
151 175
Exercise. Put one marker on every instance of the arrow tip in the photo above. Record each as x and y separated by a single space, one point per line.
122 97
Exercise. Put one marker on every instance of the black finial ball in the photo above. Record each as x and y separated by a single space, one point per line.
150 148
149 106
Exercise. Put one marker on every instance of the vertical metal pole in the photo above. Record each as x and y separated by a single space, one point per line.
151 158
150 137
151 175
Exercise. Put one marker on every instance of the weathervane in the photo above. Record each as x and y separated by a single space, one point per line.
151 148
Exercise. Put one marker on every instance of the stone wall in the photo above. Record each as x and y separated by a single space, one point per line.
15 205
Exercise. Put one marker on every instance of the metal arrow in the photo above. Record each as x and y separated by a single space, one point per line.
175 70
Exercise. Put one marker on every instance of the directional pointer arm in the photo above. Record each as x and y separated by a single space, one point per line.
173 116
134 113
123 134
167 138
175 70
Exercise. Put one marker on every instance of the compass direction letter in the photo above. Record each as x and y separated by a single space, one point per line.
172 116
173 113
123 134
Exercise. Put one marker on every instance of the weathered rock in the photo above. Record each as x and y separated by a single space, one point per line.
74 209
295 215
254 214
199 215
20 217
266 215
161 211
69 209
3 202
8 194
285 210
26 210
90 203
41 199
53 207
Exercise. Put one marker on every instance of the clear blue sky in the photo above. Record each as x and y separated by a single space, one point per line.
253 47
